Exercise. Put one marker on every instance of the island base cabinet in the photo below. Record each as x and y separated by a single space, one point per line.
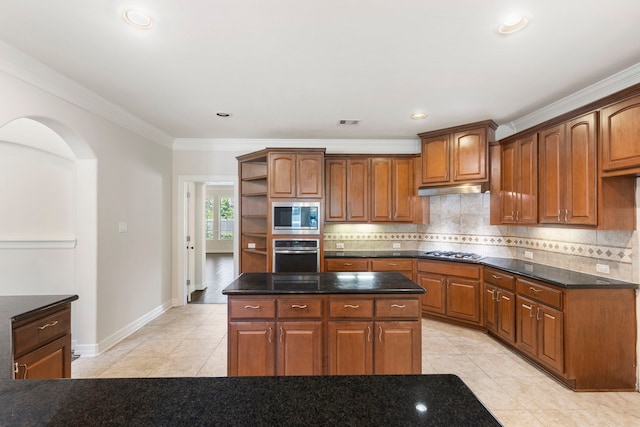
252 349
398 348
47 362
350 348
299 348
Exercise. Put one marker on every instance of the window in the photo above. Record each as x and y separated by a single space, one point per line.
209 218
226 218
222 217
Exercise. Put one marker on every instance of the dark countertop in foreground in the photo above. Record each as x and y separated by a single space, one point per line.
15 308
322 283
557 276
366 400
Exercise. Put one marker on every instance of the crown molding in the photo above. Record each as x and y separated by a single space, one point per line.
26 69
610 85
333 146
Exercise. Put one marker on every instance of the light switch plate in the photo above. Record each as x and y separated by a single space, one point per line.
339 245
603 268
251 245
528 254
122 227
396 246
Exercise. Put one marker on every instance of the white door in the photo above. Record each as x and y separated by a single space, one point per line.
189 243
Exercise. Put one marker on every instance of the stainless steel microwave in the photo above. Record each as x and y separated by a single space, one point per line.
296 217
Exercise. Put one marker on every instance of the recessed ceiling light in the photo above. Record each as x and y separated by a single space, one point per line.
223 114
137 19
513 24
419 116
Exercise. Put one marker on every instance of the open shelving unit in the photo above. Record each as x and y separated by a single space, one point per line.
253 213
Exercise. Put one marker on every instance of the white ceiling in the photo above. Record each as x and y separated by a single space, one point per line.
293 68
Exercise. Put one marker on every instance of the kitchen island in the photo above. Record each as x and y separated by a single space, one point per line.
323 323
366 400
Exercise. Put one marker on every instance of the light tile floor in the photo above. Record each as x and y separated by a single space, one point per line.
192 341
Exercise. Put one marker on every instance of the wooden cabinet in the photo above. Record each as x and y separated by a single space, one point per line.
568 173
386 341
406 266
324 334
42 345
347 190
346 264
381 190
456 155
500 304
392 190
620 144
519 180
452 290
253 213
275 337
296 175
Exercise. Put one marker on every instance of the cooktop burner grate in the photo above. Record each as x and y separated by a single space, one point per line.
453 255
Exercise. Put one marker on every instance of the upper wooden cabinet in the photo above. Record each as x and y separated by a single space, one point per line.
519 181
457 155
296 175
620 142
567 173
363 189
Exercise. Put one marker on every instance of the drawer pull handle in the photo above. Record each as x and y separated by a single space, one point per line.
302 307
54 323
531 288
347 264
392 264
351 306
398 305
495 277
254 307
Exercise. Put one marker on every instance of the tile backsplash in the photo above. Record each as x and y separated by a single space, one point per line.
461 223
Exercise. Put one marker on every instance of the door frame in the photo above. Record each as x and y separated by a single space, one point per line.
179 294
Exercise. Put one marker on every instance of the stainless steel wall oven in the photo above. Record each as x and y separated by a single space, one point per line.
296 255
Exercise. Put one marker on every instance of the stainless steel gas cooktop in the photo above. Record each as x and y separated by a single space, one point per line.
453 255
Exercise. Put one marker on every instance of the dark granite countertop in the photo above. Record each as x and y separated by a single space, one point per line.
365 400
557 276
322 283
15 308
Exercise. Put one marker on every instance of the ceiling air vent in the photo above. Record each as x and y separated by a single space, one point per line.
348 122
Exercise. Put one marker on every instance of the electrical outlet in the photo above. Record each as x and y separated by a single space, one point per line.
602 268
122 227
251 245
528 254
396 246
339 245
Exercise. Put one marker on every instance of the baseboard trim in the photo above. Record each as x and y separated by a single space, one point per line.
90 350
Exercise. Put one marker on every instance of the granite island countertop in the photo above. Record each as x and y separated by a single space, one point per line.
15 308
322 283
560 277
365 400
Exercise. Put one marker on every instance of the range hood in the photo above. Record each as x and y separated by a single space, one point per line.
454 189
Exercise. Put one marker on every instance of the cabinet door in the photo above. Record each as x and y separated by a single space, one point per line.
527 183
550 337
580 168
526 326
552 175
506 325
397 348
381 190
300 348
309 175
358 190
282 175
49 361
470 151
620 124
435 159
463 299
350 348
403 190
508 183
490 307
252 349
336 190
433 300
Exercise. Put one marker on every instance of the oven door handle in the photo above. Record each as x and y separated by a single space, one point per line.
311 251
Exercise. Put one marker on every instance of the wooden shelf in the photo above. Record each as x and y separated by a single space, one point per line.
254 178
254 217
255 251
258 235
254 194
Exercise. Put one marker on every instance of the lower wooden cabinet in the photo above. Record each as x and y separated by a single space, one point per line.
500 304
42 345
452 290
324 334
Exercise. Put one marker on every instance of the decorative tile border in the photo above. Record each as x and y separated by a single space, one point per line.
609 253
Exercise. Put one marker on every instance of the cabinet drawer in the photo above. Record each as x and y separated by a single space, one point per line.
41 331
252 309
450 268
299 308
346 264
498 278
351 308
540 292
405 308
391 264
